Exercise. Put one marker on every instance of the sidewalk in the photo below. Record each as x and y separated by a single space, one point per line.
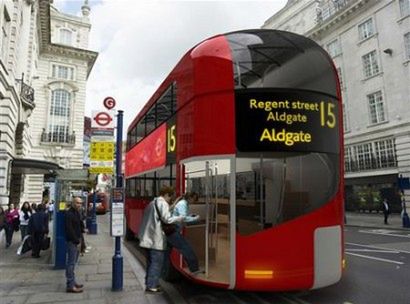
24 280
27 280
374 220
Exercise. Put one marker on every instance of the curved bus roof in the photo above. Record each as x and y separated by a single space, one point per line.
278 59
260 59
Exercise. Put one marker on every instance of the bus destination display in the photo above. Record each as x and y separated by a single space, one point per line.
286 121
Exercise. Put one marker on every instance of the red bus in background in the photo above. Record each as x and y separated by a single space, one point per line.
250 120
101 203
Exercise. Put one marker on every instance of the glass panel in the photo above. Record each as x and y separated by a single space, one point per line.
284 189
266 59
150 121
164 106
165 177
248 207
140 131
210 237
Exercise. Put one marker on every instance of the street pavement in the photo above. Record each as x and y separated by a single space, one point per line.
375 220
27 280
24 280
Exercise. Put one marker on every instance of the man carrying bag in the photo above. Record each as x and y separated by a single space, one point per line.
153 238
38 228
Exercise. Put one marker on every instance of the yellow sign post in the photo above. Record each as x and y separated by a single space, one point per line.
102 151
102 157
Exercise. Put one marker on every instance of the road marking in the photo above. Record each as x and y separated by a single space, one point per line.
384 233
374 258
376 247
373 250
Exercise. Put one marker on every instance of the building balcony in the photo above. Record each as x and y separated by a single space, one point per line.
58 138
373 163
27 95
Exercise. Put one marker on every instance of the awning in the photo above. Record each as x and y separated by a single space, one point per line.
371 180
33 166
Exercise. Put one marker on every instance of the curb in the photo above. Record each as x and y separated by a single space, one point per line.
378 227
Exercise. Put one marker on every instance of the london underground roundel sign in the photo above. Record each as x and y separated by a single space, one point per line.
102 119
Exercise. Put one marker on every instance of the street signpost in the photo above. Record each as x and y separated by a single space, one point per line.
101 151
404 184
102 161
117 260
117 212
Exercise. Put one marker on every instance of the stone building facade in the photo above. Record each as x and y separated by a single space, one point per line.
369 42
43 72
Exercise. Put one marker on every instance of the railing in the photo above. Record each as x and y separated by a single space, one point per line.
327 8
58 137
371 164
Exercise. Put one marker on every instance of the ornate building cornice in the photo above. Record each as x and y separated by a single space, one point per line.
50 48
339 17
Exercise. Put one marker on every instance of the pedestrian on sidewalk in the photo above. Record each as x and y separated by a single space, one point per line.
33 207
51 210
12 223
153 238
386 211
25 214
38 228
2 222
73 240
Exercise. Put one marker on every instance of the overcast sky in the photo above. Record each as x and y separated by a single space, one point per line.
140 41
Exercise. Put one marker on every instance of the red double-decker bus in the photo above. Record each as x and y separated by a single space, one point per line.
250 120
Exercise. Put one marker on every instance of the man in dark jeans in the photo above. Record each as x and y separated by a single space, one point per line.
73 239
38 227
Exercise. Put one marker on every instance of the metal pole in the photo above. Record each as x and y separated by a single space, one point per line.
93 224
117 261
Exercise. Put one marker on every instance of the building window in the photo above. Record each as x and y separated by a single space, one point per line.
376 107
385 153
379 154
59 118
66 36
370 64
334 49
349 164
60 103
63 72
345 121
59 134
366 29
404 8
5 30
407 45
364 155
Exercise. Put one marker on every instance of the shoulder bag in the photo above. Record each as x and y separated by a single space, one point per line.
167 228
